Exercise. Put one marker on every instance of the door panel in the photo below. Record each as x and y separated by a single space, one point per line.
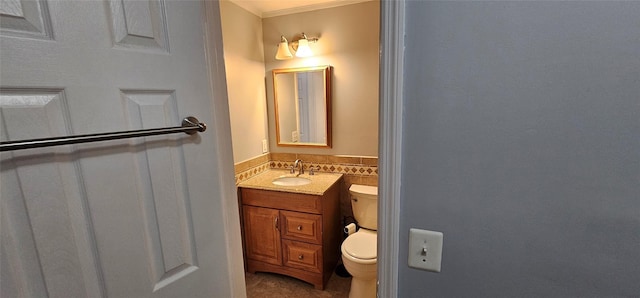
124 218
139 24
25 18
42 197
162 189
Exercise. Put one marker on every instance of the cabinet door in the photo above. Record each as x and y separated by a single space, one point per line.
262 235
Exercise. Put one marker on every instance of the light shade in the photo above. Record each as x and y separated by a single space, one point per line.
303 48
283 50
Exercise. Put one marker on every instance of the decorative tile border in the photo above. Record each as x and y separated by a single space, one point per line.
329 168
362 169
242 176
249 168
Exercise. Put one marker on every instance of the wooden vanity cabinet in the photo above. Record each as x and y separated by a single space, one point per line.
292 234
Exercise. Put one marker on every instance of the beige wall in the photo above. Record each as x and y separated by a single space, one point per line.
349 40
245 69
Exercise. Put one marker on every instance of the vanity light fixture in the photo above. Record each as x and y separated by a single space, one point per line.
300 46
283 49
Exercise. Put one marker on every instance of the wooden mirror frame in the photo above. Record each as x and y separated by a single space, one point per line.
326 71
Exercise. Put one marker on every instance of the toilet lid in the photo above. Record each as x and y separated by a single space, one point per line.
361 245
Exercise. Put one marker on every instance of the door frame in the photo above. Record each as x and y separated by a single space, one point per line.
392 41
390 145
224 153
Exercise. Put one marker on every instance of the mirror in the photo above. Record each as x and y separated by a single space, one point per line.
302 102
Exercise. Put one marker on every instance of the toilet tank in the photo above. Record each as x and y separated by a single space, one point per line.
364 202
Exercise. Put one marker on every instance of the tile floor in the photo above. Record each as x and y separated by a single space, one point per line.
271 285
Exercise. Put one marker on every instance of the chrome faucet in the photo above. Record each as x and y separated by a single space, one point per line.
295 165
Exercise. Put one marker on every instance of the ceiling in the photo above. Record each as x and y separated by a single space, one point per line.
272 8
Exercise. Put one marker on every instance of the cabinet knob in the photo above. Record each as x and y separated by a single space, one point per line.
300 257
299 228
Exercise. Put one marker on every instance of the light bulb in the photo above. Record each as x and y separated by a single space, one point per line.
303 48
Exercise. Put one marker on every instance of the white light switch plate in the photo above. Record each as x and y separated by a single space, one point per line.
425 249
265 146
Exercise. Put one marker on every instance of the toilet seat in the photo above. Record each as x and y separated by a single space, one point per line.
361 246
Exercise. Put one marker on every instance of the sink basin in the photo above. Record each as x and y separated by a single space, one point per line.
291 181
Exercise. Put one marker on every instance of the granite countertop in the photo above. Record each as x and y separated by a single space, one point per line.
320 182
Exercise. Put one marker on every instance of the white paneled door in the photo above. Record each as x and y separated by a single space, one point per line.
125 218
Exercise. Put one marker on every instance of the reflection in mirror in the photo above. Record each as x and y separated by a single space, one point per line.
302 101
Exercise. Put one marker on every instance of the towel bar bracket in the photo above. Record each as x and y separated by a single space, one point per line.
191 122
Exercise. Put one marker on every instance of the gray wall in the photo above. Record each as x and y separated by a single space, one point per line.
522 145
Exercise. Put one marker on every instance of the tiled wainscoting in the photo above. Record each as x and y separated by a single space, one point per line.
249 168
355 169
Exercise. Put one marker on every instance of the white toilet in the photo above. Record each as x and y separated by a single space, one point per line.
359 250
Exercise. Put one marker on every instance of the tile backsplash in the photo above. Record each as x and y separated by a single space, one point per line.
360 169
249 168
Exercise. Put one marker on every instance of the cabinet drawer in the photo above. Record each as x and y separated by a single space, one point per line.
282 200
302 255
301 226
